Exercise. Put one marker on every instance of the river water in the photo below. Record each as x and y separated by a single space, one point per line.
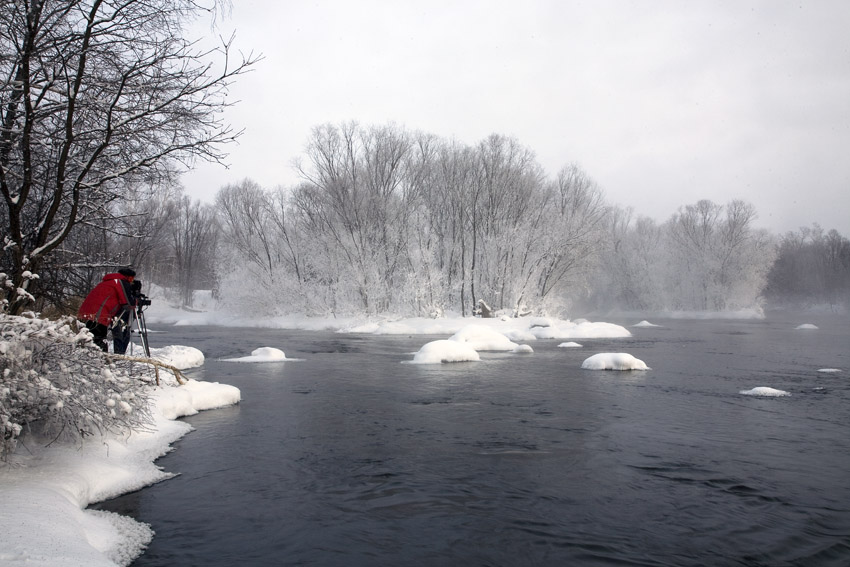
350 457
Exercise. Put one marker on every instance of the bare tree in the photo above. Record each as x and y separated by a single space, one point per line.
136 235
288 231
578 218
96 95
244 211
263 241
194 240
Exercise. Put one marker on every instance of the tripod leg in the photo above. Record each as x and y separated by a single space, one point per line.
143 332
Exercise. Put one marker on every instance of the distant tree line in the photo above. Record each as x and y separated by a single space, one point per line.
706 257
812 268
386 220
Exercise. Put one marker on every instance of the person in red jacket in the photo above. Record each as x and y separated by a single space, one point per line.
110 303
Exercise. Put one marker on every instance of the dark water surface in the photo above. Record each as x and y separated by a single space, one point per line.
349 457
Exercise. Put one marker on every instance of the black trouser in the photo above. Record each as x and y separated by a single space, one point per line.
121 333
99 332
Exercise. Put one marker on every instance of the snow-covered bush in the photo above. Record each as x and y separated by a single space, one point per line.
6 284
55 383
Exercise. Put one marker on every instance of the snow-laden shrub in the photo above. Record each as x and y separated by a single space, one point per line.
55 383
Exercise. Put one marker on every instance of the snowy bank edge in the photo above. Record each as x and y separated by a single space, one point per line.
44 496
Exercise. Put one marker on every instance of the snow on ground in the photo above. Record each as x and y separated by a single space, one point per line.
614 361
182 357
262 354
518 329
645 323
764 391
515 329
547 328
44 490
806 327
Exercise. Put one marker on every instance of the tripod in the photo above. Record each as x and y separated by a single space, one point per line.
142 328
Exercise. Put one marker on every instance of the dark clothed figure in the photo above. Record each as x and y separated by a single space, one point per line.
110 304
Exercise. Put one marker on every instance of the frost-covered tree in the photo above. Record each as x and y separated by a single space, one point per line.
55 384
358 195
719 261
498 230
692 232
388 220
633 267
573 233
506 184
391 220
261 246
96 96
444 242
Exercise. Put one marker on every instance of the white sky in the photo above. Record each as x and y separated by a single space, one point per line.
662 102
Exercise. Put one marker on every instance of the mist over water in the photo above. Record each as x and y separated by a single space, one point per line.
349 457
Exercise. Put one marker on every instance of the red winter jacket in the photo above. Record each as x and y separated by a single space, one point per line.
106 299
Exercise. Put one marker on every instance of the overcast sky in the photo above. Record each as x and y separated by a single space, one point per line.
663 103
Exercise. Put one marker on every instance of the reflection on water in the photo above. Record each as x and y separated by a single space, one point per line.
349 457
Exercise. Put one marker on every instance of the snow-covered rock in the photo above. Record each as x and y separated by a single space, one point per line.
614 361
443 350
765 391
262 354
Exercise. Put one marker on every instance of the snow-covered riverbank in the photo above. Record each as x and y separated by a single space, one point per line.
45 488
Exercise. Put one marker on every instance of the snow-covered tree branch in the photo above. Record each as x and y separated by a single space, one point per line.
55 383
96 96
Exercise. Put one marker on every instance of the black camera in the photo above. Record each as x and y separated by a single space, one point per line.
136 290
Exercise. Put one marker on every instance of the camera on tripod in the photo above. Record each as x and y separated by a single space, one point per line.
142 300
